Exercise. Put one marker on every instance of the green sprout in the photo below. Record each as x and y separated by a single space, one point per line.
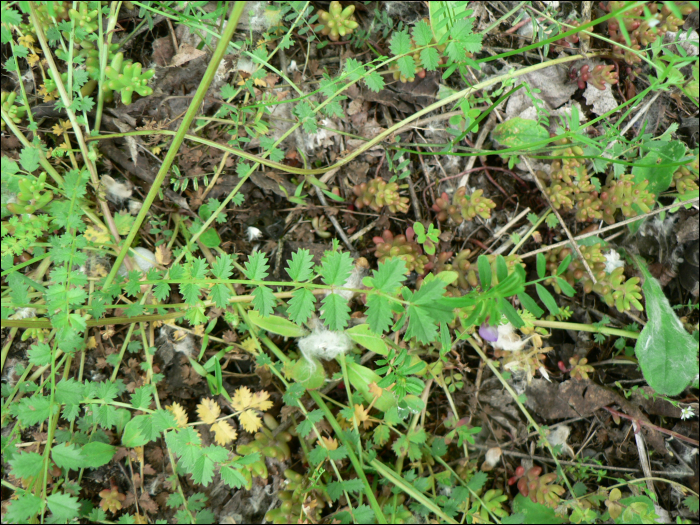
427 238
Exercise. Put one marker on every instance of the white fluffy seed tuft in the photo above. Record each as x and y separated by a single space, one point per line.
613 261
144 259
117 192
324 344
508 340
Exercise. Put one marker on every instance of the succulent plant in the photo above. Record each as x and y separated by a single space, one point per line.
299 491
597 77
8 104
621 194
44 14
337 21
613 287
491 502
51 88
378 193
84 17
127 77
643 32
32 195
403 246
685 180
463 207
571 187
268 445
540 489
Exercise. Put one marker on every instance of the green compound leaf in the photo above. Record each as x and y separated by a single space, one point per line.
407 66
566 287
389 275
379 314
133 436
336 268
501 268
256 267
26 465
374 82
422 33
564 265
26 505
68 456
63 507
97 454
400 43
430 58
220 295
667 353
335 312
300 266
420 325
264 300
301 305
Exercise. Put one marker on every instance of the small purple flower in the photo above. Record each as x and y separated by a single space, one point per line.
489 333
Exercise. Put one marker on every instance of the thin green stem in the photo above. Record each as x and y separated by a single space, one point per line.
180 135
586 328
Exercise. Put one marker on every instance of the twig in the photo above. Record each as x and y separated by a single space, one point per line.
337 225
561 221
611 227
488 126
576 463
511 223
364 230
414 198
652 426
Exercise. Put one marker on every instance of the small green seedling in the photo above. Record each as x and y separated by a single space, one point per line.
428 239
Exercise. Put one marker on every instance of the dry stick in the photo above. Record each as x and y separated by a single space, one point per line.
411 189
611 227
510 223
355 254
576 463
485 130
364 230
585 17
561 221
414 197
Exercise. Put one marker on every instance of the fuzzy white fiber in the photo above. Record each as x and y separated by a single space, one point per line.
117 192
354 281
144 259
613 261
508 340
324 344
